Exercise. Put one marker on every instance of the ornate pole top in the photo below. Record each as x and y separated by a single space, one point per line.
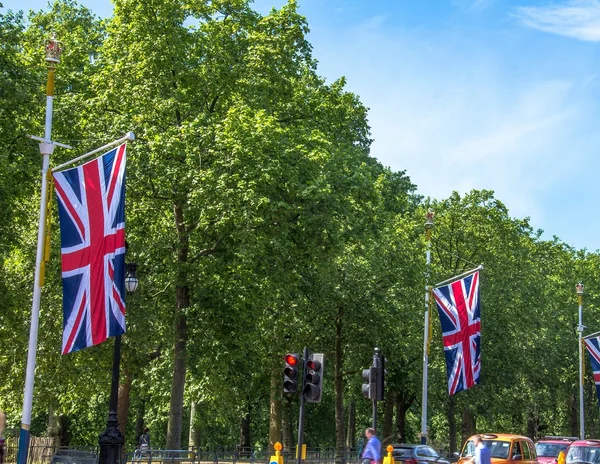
53 50
579 289
429 219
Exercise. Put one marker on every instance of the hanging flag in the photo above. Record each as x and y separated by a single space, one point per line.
593 347
91 207
458 307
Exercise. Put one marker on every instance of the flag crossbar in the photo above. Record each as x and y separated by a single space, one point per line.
460 276
128 136
592 335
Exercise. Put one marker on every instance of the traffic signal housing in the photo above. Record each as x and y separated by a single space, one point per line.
313 378
369 387
290 373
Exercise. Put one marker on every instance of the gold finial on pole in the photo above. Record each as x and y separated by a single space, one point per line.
53 50
429 223
579 291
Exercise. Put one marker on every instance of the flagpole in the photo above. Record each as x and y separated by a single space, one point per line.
53 50
580 327
428 227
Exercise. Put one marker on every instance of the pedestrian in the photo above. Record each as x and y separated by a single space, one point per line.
144 440
372 452
482 452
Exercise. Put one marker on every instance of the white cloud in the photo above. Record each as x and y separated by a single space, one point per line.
575 18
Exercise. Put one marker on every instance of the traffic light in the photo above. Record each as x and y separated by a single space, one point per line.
313 378
369 387
290 373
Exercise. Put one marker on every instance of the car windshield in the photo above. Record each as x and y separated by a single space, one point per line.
590 454
402 452
550 450
498 449
427 451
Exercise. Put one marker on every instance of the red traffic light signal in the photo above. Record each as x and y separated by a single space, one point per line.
290 373
291 359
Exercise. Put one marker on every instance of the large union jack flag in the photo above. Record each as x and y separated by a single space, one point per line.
458 307
593 347
91 206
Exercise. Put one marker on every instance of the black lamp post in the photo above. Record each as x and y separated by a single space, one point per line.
111 441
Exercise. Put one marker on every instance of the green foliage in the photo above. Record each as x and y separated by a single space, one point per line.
258 218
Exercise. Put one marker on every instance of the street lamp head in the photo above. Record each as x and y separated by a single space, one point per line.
579 288
131 280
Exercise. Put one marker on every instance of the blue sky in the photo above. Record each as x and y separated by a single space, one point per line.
494 94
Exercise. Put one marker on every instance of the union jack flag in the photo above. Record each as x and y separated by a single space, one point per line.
91 207
593 347
458 307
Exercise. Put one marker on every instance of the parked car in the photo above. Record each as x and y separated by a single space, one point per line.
584 451
417 454
504 449
548 448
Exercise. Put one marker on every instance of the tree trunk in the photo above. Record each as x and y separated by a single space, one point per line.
194 435
388 419
340 435
275 416
174 428
452 425
245 440
287 425
469 424
64 436
52 423
403 402
124 399
351 435
139 421
574 417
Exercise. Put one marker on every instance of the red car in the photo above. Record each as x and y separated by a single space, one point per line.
584 452
548 448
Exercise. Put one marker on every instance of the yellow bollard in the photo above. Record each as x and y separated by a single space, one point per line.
278 458
561 458
389 459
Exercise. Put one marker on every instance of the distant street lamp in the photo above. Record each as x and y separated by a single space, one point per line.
131 280
112 440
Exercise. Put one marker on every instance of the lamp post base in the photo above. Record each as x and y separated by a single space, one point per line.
111 443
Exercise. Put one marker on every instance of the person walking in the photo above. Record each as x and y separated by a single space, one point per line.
482 452
372 452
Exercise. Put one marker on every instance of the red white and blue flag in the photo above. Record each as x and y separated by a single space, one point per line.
458 307
91 206
593 347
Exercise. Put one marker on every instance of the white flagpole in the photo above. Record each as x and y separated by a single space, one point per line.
428 227
580 327
53 50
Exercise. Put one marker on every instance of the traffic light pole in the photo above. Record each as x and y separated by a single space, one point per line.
301 413
376 365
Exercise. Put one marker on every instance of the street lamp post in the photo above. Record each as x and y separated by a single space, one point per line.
580 327
428 227
111 441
